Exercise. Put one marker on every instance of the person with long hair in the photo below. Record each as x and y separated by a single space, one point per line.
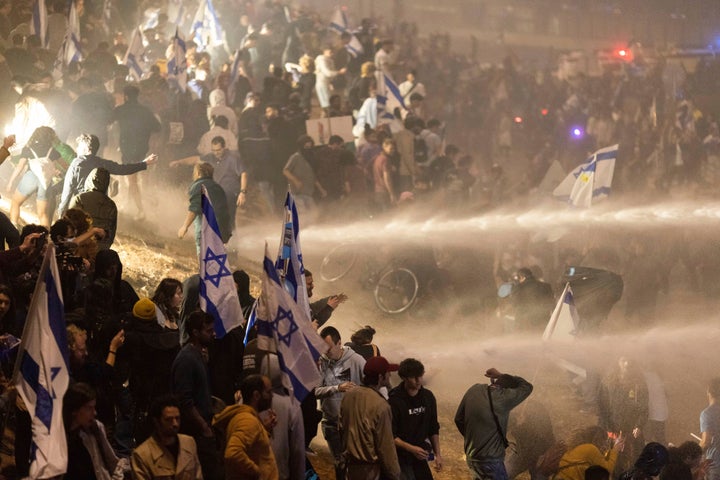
43 160
90 455
167 298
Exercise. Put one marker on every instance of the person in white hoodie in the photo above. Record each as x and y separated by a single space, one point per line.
218 107
341 370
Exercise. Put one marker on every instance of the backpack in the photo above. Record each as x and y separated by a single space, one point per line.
549 462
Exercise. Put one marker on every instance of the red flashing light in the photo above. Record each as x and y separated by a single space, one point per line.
622 53
544 112
518 119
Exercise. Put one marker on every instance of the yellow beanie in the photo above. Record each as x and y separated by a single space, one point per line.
144 309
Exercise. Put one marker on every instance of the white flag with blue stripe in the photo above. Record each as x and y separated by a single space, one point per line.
135 55
206 30
289 261
177 62
340 24
564 321
389 98
39 24
218 295
590 181
285 328
41 371
72 49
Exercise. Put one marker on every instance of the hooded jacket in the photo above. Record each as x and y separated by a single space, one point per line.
95 202
248 454
218 106
349 368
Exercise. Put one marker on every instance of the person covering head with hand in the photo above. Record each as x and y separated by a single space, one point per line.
482 419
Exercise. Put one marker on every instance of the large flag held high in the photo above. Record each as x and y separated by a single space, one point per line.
218 295
206 29
285 328
39 24
135 55
177 62
590 181
289 260
339 23
42 374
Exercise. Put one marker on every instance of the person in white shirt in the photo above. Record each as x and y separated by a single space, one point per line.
324 73
410 86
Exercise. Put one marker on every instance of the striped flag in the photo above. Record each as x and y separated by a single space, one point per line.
389 97
72 49
42 371
135 55
177 62
564 320
590 181
289 260
339 23
218 295
206 30
285 328
39 24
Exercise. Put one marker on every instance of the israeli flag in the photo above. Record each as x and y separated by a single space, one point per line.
218 295
590 181
339 23
39 23
285 329
206 30
135 55
71 44
289 261
177 62
389 98
42 371
564 321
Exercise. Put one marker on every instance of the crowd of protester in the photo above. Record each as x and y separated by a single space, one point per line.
470 137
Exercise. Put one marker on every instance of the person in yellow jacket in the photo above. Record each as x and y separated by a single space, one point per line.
590 448
248 454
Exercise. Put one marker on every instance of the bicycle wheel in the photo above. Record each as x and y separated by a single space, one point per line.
338 262
396 290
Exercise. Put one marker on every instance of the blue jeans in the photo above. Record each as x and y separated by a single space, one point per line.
490 469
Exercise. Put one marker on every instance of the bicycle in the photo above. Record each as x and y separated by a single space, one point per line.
395 287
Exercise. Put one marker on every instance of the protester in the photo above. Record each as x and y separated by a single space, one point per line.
366 425
482 419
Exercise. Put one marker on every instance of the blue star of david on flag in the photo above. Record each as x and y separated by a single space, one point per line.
291 327
222 270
